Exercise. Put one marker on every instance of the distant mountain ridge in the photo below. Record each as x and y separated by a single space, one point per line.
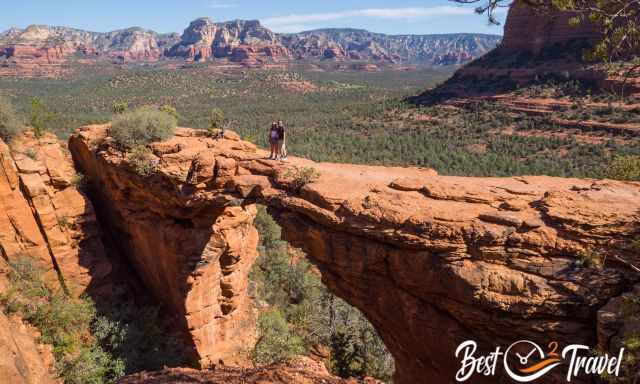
438 49
243 41
135 42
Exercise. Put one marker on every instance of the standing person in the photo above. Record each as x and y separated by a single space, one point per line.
273 140
282 141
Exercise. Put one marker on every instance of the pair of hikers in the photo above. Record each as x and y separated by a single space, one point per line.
278 141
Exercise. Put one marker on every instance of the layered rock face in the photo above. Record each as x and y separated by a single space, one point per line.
539 45
46 51
359 44
254 55
33 61
192 254
46 217
532 30
22 361
204 39
431 260
135 43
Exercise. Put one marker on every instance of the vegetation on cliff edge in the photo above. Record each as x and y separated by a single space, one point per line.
10 124
91 344
356 117
143 126
300 316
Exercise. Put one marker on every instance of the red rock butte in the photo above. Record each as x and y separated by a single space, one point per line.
430 260
531 30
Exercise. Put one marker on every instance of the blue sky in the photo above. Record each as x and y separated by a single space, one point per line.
396 17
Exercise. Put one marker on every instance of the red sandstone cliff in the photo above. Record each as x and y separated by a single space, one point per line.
192 254
22 360
44 51
539 45
45 217
24 60
430 260
47 51
531 30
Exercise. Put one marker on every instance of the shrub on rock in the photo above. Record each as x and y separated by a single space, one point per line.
143 160
170 110
216 119
625 168
10 124
40 117
301 176
142 126
119 108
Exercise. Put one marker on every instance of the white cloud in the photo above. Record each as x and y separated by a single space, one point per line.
218 4
290 23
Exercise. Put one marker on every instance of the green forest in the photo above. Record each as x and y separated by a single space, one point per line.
341 116
346 116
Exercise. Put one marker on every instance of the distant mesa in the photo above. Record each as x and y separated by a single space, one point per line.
47 51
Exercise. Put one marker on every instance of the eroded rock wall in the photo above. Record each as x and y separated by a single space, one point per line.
531 30
22 360
430 260
540 45
192 253
47 217
492 260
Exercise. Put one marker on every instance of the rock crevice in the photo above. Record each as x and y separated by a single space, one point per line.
47 218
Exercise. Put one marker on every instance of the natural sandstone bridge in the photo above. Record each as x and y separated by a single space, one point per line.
430 260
